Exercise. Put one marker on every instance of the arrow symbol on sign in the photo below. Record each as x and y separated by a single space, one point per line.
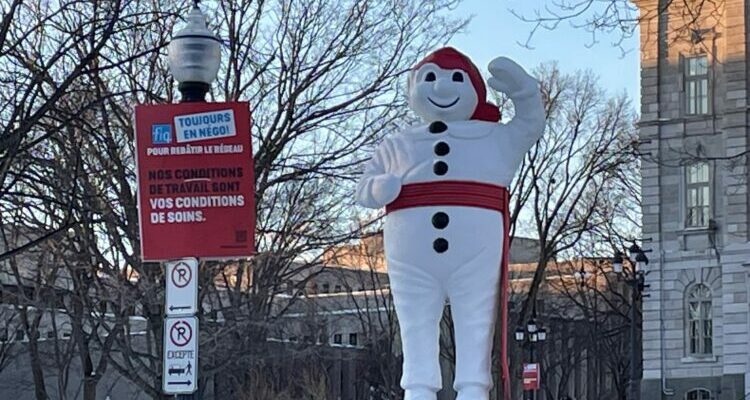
180 383
172 308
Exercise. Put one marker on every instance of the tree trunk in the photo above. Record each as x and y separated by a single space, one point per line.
40 390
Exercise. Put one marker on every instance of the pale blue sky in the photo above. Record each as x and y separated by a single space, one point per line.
494 31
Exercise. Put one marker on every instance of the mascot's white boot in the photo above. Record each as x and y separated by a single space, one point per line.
444 188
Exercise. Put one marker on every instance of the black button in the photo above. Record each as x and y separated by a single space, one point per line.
440 168
440 245
440 220
438 127
442 148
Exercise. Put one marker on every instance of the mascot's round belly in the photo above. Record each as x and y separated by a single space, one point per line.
441 236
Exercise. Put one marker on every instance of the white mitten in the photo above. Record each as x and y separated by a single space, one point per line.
511 79
385 188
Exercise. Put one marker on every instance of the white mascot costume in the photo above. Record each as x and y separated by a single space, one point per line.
443 185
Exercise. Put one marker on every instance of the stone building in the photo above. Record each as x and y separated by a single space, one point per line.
693 136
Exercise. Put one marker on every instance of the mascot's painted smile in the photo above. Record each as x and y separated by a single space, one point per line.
444 106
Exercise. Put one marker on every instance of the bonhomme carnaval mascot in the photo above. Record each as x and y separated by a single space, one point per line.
444 187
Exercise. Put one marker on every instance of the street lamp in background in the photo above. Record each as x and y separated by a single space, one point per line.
529 336
635 277
194 56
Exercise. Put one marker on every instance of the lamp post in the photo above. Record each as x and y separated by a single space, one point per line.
194 57
635 277
529 336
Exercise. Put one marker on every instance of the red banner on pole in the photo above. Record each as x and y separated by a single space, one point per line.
195 180
531 376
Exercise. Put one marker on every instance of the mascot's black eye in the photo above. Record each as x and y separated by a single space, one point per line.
430 77
458 77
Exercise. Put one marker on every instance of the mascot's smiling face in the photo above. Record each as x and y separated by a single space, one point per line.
438 94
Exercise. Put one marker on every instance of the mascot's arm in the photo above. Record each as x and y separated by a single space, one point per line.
527 125
377 187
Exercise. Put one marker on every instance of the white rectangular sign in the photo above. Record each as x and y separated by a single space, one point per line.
182 287
180 373
204 126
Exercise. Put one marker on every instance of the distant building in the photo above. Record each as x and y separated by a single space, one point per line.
694 137
368 252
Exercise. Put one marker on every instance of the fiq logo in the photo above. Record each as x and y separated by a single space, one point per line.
161 134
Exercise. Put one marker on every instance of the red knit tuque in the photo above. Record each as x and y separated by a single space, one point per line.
450 58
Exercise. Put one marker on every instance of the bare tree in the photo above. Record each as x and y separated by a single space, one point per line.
50 56
324 81
577 178
593 311
619 19
578 185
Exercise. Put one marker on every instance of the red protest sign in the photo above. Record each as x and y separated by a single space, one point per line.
531 377
195 180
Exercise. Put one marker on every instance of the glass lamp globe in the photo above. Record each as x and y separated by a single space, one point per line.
520 334
531 326
194 57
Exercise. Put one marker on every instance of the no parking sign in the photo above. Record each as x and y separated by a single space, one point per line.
180 355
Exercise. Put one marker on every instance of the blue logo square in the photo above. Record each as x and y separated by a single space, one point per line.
161 134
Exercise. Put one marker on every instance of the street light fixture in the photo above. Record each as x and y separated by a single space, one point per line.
636 280
194 57
531 326
529 336
641 262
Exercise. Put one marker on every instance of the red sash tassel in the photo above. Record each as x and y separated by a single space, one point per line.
469 194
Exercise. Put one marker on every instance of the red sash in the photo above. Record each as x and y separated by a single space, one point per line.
468 194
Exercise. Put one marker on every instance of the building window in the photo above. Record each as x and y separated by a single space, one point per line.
353 339
337 339
337 289
696 85
326 288
698 195
700 325
698 394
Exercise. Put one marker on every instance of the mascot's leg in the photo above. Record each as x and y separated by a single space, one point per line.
473 291
419 301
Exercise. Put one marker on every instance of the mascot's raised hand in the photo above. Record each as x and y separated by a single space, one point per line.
444 188
509 78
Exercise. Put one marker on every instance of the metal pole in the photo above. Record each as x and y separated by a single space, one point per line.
532 392
633 333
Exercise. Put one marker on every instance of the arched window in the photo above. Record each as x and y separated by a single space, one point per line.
698 394
700 325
